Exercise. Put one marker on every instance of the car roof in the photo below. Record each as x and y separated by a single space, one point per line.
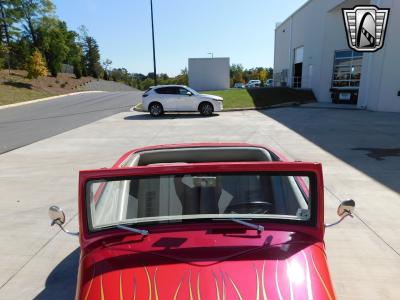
167 85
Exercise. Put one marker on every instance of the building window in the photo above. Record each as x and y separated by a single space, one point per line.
347 69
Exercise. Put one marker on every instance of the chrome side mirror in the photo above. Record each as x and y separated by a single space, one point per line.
189 94
57 217
345 209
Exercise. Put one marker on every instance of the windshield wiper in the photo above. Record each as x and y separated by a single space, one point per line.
135 230
257 227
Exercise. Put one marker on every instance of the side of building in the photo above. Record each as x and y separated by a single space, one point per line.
311 51
209 73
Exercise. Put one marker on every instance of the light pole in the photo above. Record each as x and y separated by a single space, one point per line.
212 54
154 48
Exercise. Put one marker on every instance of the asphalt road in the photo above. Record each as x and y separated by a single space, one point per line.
26 124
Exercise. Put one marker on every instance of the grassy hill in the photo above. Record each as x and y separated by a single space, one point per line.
15 87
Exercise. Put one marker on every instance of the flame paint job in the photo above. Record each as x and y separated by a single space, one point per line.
274 265
204 260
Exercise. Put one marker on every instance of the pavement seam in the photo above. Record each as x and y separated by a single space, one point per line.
365 224
36 253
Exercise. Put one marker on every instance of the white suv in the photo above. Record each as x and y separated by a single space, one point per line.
161 98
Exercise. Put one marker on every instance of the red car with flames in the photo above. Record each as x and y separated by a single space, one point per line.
203 221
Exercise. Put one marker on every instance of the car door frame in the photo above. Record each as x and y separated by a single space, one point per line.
167 100
185 102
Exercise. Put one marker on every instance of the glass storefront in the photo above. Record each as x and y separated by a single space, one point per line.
347 69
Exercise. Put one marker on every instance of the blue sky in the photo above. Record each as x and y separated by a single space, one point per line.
242 30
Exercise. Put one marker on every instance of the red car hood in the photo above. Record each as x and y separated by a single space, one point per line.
275 265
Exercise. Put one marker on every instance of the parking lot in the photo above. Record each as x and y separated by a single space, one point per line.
360 152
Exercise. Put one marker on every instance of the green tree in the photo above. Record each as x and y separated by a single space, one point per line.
52 36
106 64
236 73
20 52
182 78
41 30
31 12
36 65
253 73
77 70
9 16
3 55
262 74
145 84
92 57
75 53
120 74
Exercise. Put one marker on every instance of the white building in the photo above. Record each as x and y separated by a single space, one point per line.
209 73
311 51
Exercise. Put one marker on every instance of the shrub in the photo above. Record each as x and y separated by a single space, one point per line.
36 65
77 70
145 84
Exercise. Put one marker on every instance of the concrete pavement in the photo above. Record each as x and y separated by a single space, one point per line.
37 261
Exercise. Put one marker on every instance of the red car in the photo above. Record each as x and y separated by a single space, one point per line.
203 221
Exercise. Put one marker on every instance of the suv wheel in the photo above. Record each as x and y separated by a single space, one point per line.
156 109
206 109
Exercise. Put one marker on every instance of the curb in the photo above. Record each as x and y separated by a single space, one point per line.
330 107
47 98
288 104
134 108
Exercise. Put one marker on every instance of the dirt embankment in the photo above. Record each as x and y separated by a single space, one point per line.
16 87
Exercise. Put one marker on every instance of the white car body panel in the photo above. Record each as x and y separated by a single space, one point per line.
180 102
168 101
185 103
